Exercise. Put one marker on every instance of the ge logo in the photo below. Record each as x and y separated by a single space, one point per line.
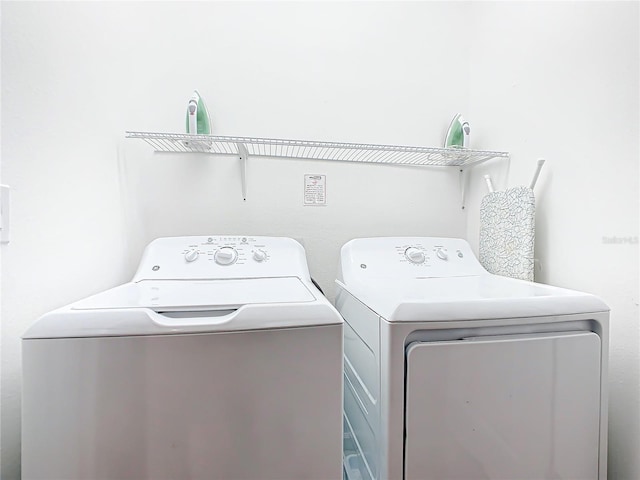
156 268
362 265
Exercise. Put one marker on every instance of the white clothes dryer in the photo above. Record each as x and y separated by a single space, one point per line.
454 373
219 360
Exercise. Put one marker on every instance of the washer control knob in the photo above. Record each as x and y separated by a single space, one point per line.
414 255
442 254
191 255
259 255
225 256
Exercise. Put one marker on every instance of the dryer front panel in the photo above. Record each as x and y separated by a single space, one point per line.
507 406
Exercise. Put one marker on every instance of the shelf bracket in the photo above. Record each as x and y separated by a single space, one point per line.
243 155
463 187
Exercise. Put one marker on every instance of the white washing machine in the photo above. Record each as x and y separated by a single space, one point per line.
454 373
220 360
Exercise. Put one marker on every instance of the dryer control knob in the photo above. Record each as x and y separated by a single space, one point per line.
259 255
225 256
191 255
414 255
442 254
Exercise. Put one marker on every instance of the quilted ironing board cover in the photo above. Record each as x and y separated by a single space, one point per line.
507 232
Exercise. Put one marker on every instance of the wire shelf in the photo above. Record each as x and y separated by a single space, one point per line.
312 150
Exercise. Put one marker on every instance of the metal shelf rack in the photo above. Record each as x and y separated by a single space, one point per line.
245 147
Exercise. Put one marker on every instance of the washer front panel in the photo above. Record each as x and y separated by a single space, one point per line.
246 405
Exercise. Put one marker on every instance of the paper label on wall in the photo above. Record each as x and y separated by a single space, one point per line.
315 189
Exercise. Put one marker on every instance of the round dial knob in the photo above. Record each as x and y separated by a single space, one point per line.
191 255
259 255
414 255
442 254
225 256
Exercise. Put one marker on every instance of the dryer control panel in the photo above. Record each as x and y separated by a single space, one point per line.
221 257
408 257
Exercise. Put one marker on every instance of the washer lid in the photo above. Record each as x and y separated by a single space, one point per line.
194 295
169 307
473 297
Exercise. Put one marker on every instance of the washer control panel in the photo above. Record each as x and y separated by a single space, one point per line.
408 257
216 257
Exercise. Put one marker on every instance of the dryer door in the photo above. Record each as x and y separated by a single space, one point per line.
511 406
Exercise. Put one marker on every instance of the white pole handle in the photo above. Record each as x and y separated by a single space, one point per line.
537 173
487 178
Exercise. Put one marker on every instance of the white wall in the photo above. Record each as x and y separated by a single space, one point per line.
75 76
560 80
